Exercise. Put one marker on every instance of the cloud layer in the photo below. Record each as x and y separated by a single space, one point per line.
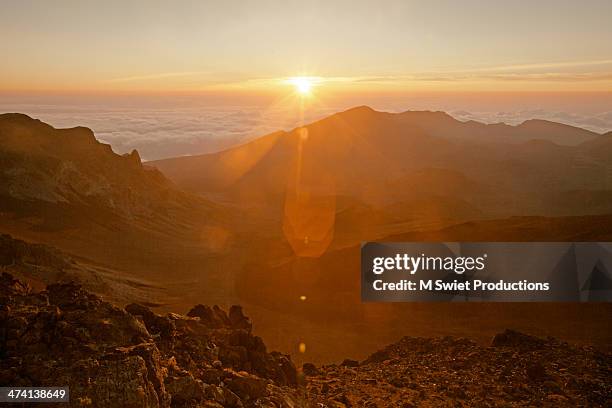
173 129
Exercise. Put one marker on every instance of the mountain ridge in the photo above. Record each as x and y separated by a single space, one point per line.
357 151
364 109
64 188
283 217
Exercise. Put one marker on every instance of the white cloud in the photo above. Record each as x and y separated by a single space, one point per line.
600 123
158 132
171 128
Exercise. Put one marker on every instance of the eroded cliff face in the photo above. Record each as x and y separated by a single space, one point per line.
69 166
132 357
64 188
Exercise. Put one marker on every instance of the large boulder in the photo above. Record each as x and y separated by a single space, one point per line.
133 357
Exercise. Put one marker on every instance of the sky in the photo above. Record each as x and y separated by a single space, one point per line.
353 46
188 77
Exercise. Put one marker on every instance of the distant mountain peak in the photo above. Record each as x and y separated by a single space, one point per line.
22 119
134 157
361 108
13 125
558 133
356 112
540 124
14 116
429 115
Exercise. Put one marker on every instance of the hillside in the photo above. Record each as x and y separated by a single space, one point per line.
70 166
121 220
40 265
359 148
513 370
362 174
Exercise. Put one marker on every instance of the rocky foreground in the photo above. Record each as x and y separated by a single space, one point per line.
132 357
113 357
517 370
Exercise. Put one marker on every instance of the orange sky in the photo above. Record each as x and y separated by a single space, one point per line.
355 47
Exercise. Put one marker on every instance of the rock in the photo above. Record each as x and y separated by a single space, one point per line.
283 369
222 396
214 317
210 404
238 320
10 286
325 388
536 372
155 324
397 382
108 357
511 338
310 369
233 356
556 399
343 399
552 386
133 157
247 387
231 399
71 296
350 363
121 378
211 376
377 357
185 389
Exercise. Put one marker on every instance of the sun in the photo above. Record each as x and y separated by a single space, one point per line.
303 85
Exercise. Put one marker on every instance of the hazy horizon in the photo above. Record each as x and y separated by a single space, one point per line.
162 126
251 47
196 77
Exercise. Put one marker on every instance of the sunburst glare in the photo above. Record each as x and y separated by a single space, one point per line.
303 85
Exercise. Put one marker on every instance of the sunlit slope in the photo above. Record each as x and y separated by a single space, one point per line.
363 174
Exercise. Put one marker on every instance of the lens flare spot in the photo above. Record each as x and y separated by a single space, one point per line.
303 132
302 348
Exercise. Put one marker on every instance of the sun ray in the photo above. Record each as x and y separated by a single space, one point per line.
303 85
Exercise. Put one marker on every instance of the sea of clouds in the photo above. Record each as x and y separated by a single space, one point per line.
169 128
596 122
